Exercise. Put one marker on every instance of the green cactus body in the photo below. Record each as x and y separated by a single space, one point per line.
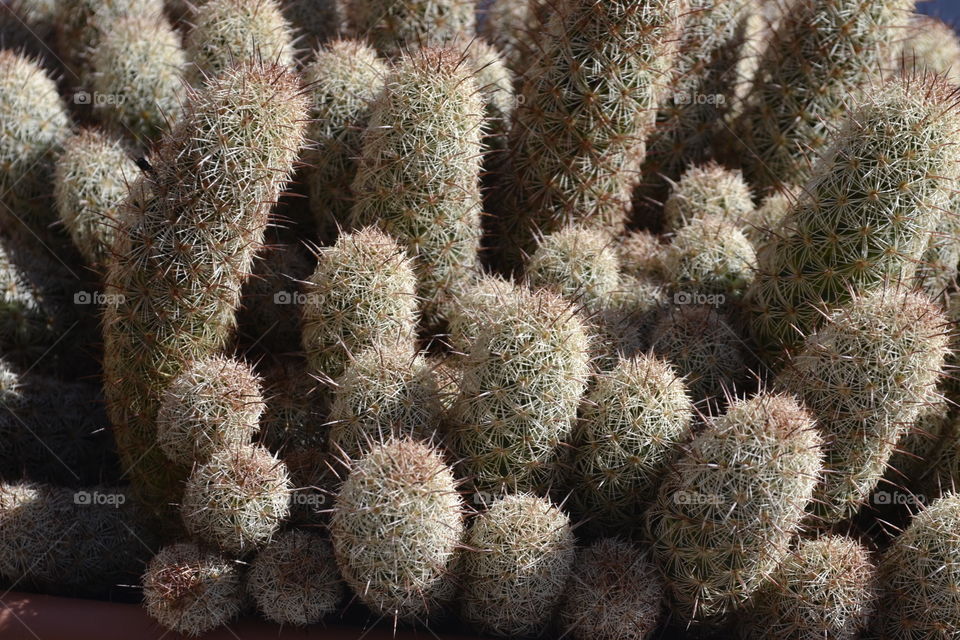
185 246
397 26
820 57
395 529
586 106
343 79
579 264
90 185
615 593
518 561
725 515
622 327
632 423
866 375
710 255
865 217
518 400
419 173
919 575
765 224
138 65
192 591
709 190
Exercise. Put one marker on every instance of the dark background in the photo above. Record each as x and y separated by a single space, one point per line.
948 10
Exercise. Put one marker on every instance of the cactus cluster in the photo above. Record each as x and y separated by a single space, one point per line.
579 264
394 27
709 190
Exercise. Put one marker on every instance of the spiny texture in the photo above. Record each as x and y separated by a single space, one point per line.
820 57
865 375
34 124
725 515
397 26
517 562
924 439
226 32
90 183
710 255
387 391
932 46
622 327
238 499
495 83
395 529
631 425
826 588
579 264
641 255
709 190
343 79
191 591
699 341
865 217
518 398
919 575
615 593
765 224
138 65
477 308
587 104
294 580
318 21
419 173
511 25
29 26
185 247
214 404
363 293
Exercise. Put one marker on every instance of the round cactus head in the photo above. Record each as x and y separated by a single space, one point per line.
708 191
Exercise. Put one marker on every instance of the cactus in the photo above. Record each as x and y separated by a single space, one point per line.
387 391
35 125
29 320
395 529
343 79
725 515
511 26
919 574
931 46
587 104
866 215
477 307
579 264
710 256
922 443
641 255
632 422
237 499
699 341
424 193
138 64
495 82
622 327
397 26
294 580
319 21
518 399
765 224
518 558
226 32
186 245
192 591
29 26
822 55
363 293
615 593
825 588
866 375
709 190
90 184
214 404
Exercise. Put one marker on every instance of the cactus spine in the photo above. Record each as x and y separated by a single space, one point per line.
579 264
710 255
709 190
396 26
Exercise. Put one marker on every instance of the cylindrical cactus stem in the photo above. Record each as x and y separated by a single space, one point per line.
710 256
517 562
578 264
511 26
396 527
708 190
725 515
362 293
919 574
90 184
825 588
632 423
226 32
585 108
419 173
343 79
518 399
136 77
866 216
397 26
35 125
820 57
866 375
185 247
